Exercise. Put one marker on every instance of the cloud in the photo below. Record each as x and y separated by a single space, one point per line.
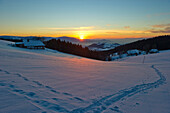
160 28
161 25
84 28
127 27
165 30
108 24
112 32
125 32
70 28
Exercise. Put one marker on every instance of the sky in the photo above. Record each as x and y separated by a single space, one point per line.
85 18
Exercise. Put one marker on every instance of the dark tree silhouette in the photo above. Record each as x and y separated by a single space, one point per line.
160 43
75 49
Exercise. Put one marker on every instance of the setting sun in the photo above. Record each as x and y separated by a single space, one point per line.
82 34
81 37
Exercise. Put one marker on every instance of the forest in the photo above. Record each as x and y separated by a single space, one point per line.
75 49
159 42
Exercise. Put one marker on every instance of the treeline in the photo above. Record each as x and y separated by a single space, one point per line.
160 43
75 49
20 39
12 40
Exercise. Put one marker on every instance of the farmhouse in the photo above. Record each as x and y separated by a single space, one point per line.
133 52
30 44
153 51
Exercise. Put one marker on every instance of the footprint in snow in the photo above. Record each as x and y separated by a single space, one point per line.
79 99
39 84
52 90
2 84
67 94
7 72
19 91
19 75
31 94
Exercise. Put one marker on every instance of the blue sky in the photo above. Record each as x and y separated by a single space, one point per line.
92 18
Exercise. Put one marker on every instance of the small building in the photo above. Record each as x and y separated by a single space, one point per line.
153 51
133 52
30 44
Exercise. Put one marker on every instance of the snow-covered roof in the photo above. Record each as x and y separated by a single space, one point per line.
18 42
32 43
134 51
153 50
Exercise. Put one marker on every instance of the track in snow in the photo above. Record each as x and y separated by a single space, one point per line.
97 107
106 101
31 92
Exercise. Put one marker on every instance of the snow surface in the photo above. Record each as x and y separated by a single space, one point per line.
35 81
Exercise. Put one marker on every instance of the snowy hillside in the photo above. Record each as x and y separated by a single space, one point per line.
39 81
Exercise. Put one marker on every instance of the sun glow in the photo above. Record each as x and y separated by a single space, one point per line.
81 37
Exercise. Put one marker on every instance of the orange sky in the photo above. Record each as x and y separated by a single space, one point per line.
85 18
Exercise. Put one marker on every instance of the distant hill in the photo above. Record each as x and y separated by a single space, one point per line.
85 42
160 43
64 44
70 39
20 38
67 39
11 38
102 46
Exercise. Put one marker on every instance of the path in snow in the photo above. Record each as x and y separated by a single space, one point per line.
32 89
31 93
106 101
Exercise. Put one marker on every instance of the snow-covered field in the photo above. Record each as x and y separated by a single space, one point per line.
39 81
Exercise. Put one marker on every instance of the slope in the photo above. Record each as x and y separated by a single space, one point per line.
42 81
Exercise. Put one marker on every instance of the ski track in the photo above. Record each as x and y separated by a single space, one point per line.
34 97
102 104
96 107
